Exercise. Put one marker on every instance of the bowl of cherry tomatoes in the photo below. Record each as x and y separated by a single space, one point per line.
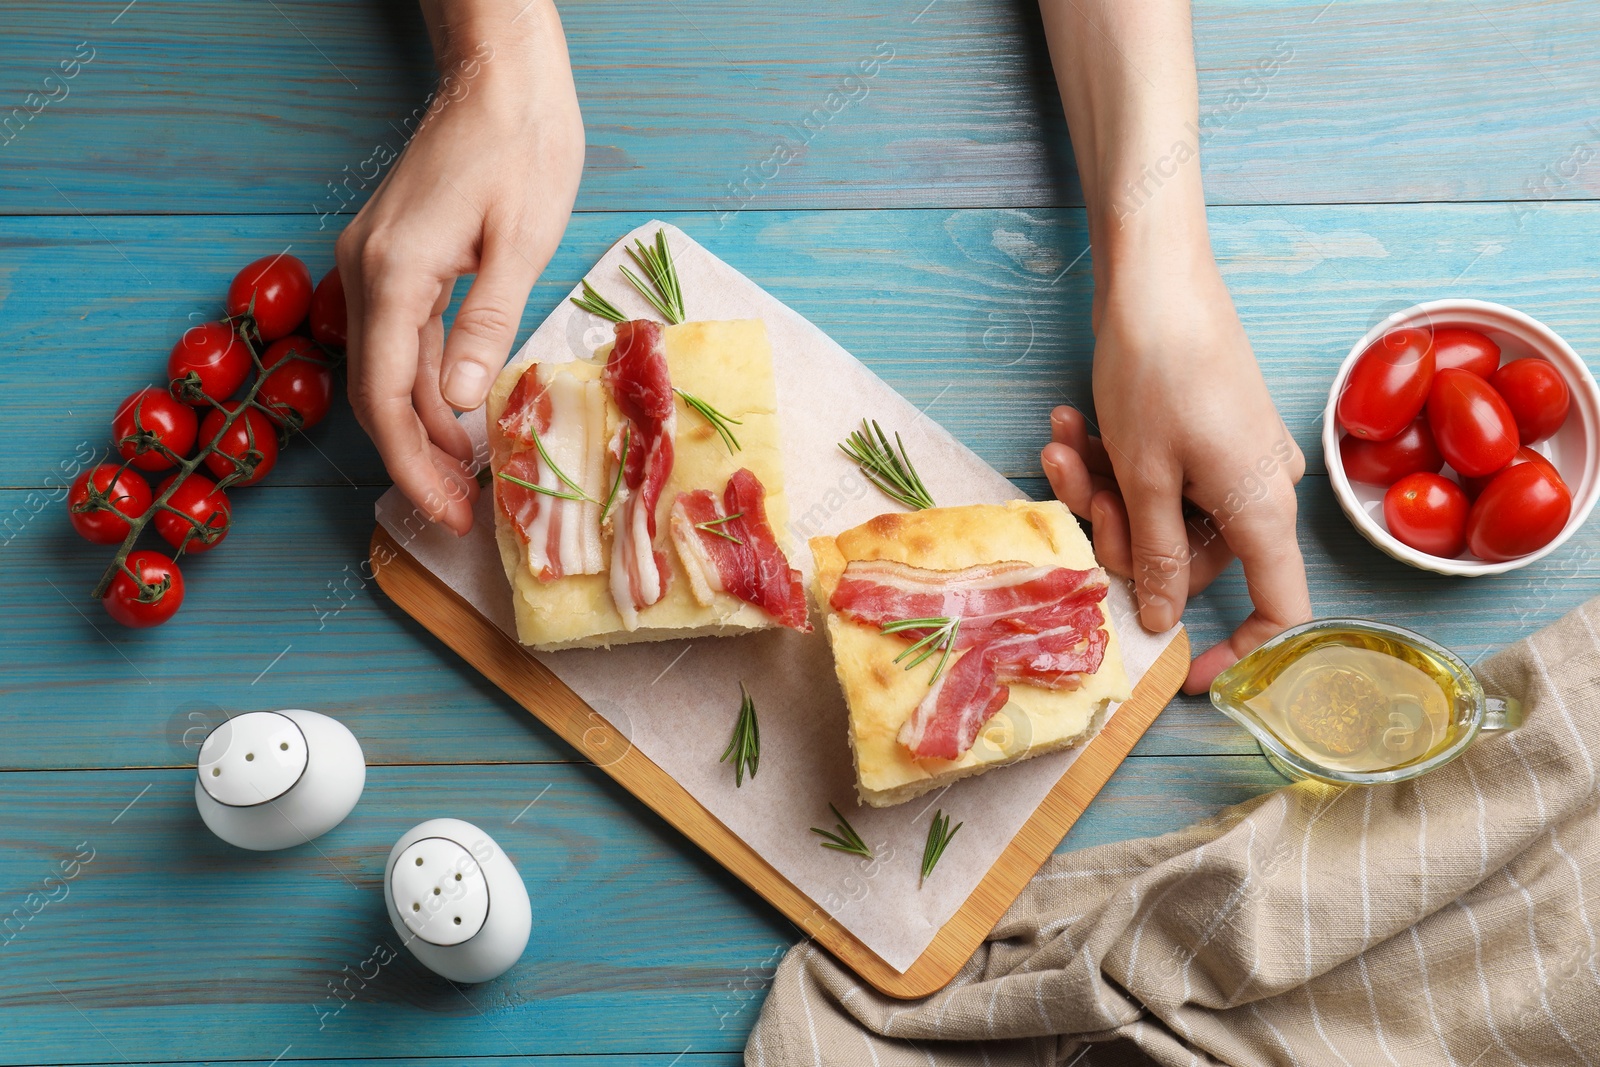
1463 437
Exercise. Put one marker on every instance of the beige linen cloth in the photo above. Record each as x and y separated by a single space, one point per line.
1449 920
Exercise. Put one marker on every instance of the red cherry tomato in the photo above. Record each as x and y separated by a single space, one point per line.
1520 511
101 501
203 518
276 290
1537 395
250 445
1458 348
149 421
151 600
327 311
297 392
1386 462
1388 385
1428 512
1471 424
209 362
1475 486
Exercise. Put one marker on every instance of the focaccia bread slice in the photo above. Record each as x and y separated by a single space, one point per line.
727 364
881 694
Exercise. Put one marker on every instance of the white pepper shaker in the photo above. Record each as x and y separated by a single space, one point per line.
274 779
457 901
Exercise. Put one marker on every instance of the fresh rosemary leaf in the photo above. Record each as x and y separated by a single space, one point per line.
939 836
616 483
561 476
745 745
710 527
885 467
514 480
595 304
663 291
717 419
940 638
843 838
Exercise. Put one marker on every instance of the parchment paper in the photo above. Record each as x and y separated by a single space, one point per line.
677 700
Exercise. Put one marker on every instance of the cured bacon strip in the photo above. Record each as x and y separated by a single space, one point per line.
637 376
566 414
1020 623
991 599
744 559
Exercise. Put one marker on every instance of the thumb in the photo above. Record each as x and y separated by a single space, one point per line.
486 326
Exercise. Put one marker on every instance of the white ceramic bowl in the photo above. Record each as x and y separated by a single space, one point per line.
1574 449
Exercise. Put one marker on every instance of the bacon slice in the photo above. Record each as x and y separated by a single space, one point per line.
744 560
991 599
566 414
637 376
1020 623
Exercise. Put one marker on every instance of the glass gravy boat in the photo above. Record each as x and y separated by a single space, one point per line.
1354 702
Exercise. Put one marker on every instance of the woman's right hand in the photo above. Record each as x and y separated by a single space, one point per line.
485 187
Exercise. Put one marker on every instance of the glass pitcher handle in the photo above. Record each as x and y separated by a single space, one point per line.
1500 713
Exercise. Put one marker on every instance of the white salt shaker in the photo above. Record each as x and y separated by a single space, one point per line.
273 779
456 901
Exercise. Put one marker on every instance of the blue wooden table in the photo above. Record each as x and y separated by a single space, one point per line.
1398 151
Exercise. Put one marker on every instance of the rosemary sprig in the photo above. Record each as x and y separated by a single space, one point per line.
745 745
616 483
890 471
595 304
561 476
717 419
710 527
656 263
844 837
942 638
514 480
939 835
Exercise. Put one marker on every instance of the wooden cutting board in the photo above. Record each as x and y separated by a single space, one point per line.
507 664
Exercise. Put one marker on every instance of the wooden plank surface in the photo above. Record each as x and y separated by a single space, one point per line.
215 106
958 310
171 940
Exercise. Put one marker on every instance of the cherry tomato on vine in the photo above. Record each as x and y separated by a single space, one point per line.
102 500
1428 512
1458 348
1537 395
151 600
1521 510
201 506
209 362
296 389
150 420
276 290
1472 425
327 311
1386 462
249 445
1475 486
1388 385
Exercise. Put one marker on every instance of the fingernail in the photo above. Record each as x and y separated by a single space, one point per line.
466 385
1155 612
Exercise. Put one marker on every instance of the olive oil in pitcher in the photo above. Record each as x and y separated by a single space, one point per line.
1351 699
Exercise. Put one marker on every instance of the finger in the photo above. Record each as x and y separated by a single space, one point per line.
1112 542
380 391
1070 479
1209 554
1275 576
1069 426
486 326
1160 544
438 418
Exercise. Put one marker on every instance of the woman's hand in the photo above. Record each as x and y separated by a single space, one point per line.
485 187
1192 465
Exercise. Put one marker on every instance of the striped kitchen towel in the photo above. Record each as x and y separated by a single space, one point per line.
1449 920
